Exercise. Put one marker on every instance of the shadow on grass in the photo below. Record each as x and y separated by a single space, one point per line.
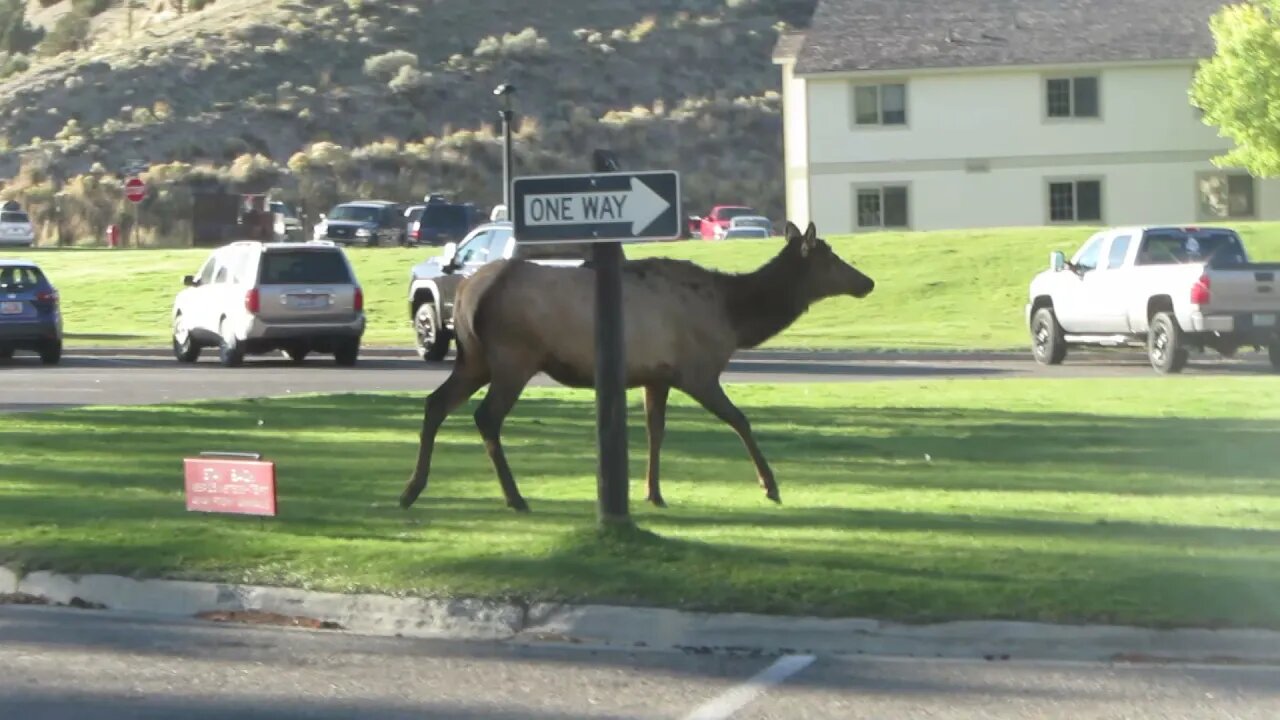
100 490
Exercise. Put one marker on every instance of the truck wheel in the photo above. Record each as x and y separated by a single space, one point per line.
1166 348
1047 341
1274 353
433 341
183 348
51 352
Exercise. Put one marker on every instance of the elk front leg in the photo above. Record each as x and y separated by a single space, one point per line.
454 391
711 396
655 418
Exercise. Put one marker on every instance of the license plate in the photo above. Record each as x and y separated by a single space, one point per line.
1264 319
10 308
309 301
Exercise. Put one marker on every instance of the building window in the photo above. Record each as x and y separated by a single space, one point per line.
1072 97
882 207
1075 201
880 104
1225 195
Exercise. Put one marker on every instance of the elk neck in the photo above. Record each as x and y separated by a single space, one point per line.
766 301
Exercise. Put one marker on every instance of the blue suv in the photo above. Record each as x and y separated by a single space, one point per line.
29 314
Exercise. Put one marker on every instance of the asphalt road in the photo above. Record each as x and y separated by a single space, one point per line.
146 377
58 664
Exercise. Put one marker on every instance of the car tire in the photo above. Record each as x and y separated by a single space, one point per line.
1274 353
1166 347
229 352
346 352
51 352
184 350
433 342
1048 342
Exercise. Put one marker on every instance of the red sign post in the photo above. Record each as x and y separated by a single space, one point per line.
135 189
226 485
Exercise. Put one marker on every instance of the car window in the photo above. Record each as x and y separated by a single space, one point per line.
1171 247
19 278
206 272
10 216
358 213
1088 257
1119 249
303 267
475 250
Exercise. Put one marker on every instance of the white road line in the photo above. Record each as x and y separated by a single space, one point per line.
724 706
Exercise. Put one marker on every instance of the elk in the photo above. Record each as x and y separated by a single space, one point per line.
681 325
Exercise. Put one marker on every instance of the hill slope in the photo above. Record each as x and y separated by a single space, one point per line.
333 98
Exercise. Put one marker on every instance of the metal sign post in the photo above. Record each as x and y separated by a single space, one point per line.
605 208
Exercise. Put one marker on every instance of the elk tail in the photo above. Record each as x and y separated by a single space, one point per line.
466 313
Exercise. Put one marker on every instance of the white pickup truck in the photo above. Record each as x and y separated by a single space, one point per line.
1168 288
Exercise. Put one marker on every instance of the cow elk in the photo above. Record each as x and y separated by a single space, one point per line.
682 323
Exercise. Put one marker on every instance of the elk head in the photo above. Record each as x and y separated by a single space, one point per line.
823 272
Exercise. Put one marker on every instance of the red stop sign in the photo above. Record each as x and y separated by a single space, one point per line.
135 189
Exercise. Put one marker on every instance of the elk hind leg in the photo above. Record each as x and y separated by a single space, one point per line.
455 390
712 397
655 417
503 393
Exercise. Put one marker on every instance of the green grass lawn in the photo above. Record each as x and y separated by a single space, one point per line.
1151 501
935 290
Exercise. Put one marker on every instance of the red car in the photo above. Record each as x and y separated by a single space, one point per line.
719 217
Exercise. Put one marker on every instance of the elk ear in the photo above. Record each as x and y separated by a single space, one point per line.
809 241
793 232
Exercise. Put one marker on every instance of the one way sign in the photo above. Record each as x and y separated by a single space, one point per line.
599 207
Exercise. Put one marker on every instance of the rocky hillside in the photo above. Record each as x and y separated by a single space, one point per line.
322 100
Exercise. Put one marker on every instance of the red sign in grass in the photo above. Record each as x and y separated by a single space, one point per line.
225 485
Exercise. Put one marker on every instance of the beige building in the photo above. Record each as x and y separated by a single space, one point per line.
944 114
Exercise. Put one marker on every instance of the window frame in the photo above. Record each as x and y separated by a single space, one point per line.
879 86
1202 216
1048 78
1075 181
858 189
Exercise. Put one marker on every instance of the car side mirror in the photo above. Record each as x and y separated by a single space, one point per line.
449 254
1057 261
189 280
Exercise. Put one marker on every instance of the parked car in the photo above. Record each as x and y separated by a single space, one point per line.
440 221
30 318
251 297
749 221
372 223
705 227
1169 288
433 283
746 231
287 226
16 229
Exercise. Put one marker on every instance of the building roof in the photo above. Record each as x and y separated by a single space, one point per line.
847 35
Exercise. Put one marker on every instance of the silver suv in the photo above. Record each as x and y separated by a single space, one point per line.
253 297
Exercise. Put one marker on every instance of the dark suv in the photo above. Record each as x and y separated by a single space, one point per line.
440 221
364 222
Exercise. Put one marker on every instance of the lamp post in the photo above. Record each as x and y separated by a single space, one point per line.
504 91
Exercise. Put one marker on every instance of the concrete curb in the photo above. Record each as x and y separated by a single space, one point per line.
652 628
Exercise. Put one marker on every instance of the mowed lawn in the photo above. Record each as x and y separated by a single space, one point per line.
1153 501
935 290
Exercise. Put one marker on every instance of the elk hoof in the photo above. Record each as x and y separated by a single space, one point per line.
772 494
409 495
518 504
657 501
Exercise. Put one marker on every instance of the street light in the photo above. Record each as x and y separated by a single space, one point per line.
505 90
